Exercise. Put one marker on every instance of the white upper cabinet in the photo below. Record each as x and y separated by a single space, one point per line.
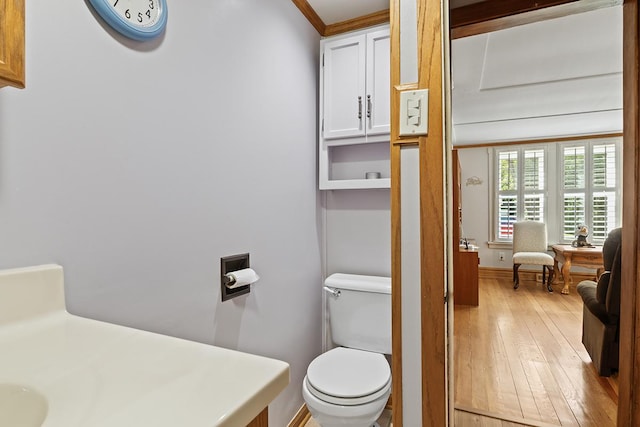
355 85
378 83
354 110
344 87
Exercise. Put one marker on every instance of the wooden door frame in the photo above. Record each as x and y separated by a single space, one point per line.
433 216
433 186
629 385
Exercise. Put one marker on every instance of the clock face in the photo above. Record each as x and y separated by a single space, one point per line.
136 19
143 13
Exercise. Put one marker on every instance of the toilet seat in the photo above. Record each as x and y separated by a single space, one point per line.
345 376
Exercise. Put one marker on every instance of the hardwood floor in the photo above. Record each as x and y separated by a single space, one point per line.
383 421
469 419
462 419
519 353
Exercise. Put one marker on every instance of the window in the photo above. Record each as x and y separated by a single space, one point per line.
589 189
521 187
584 188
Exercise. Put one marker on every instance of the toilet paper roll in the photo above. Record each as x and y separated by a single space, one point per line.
243 277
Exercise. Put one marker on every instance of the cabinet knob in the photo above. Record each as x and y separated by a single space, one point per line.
369 106
360 108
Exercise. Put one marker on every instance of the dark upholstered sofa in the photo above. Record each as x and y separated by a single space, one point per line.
601 312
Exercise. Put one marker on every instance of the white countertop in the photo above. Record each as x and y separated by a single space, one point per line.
96 374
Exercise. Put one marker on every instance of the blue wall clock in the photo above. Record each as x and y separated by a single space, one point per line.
136 19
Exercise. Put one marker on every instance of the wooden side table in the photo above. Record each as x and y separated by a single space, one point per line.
567 255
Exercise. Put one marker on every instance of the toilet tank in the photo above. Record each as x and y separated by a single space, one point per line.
359 310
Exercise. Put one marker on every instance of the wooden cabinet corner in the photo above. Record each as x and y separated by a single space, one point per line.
12 37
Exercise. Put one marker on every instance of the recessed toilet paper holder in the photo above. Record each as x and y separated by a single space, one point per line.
230 264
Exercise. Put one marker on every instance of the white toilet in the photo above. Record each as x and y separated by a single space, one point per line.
350 385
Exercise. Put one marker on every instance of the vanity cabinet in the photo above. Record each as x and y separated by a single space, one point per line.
354 109
12 43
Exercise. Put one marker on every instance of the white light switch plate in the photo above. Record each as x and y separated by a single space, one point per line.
414 108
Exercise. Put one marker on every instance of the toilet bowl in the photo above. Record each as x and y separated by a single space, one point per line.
347 387
350 385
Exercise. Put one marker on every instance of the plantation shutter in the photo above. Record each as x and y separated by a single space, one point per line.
533 186
507 193
589 190
604 190
574 181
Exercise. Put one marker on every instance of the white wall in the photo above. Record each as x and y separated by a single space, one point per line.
411 295
476 208
358 232
137 166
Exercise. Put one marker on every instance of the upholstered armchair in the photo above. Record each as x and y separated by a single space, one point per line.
530 248
601 309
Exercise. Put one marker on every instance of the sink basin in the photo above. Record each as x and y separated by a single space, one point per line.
21 406
62 370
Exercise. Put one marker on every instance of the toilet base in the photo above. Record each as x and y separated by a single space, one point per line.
331 415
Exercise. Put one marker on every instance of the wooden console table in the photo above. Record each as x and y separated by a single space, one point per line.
567 255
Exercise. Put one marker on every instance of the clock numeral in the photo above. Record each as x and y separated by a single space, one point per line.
140 16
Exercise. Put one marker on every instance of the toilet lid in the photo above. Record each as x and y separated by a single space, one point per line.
349 373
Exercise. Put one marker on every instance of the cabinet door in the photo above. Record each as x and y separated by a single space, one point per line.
343 91
378 98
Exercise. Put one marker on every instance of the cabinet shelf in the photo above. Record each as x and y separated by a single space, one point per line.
346 166
353 184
